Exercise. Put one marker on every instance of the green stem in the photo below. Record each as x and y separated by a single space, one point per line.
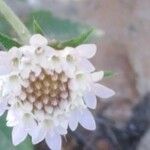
15 22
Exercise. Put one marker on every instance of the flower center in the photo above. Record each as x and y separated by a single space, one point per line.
15 61
48 89
70 58
39 50
55 59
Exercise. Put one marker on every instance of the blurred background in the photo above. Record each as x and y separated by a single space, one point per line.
122 121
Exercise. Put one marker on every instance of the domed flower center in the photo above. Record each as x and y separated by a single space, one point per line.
48 89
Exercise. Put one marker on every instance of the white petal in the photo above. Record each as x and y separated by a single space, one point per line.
39 134
27 50
5 64
41 131
61 130
44 63
54 142
58 68
2 110
38 40
4 70
11 118
14 52
3 106
27 107
86 50
29 123
73 121
37 70
49 51
97 76
87 120
25 72
63 121
90 100
18 134
39 115
69 69
73 86
102 91
86 65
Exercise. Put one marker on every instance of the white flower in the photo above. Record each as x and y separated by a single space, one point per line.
45 91
9 61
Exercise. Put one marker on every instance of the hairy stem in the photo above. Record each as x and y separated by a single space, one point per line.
14 21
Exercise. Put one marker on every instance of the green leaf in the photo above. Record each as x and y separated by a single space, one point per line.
8 42
4 26
108 73
75 41
54 27
6 141
37 28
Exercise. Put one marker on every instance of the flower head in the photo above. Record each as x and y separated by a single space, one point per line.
45 91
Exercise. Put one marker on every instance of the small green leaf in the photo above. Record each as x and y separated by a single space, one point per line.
37 28
73 42
8 42
77 41
55 27
108 73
